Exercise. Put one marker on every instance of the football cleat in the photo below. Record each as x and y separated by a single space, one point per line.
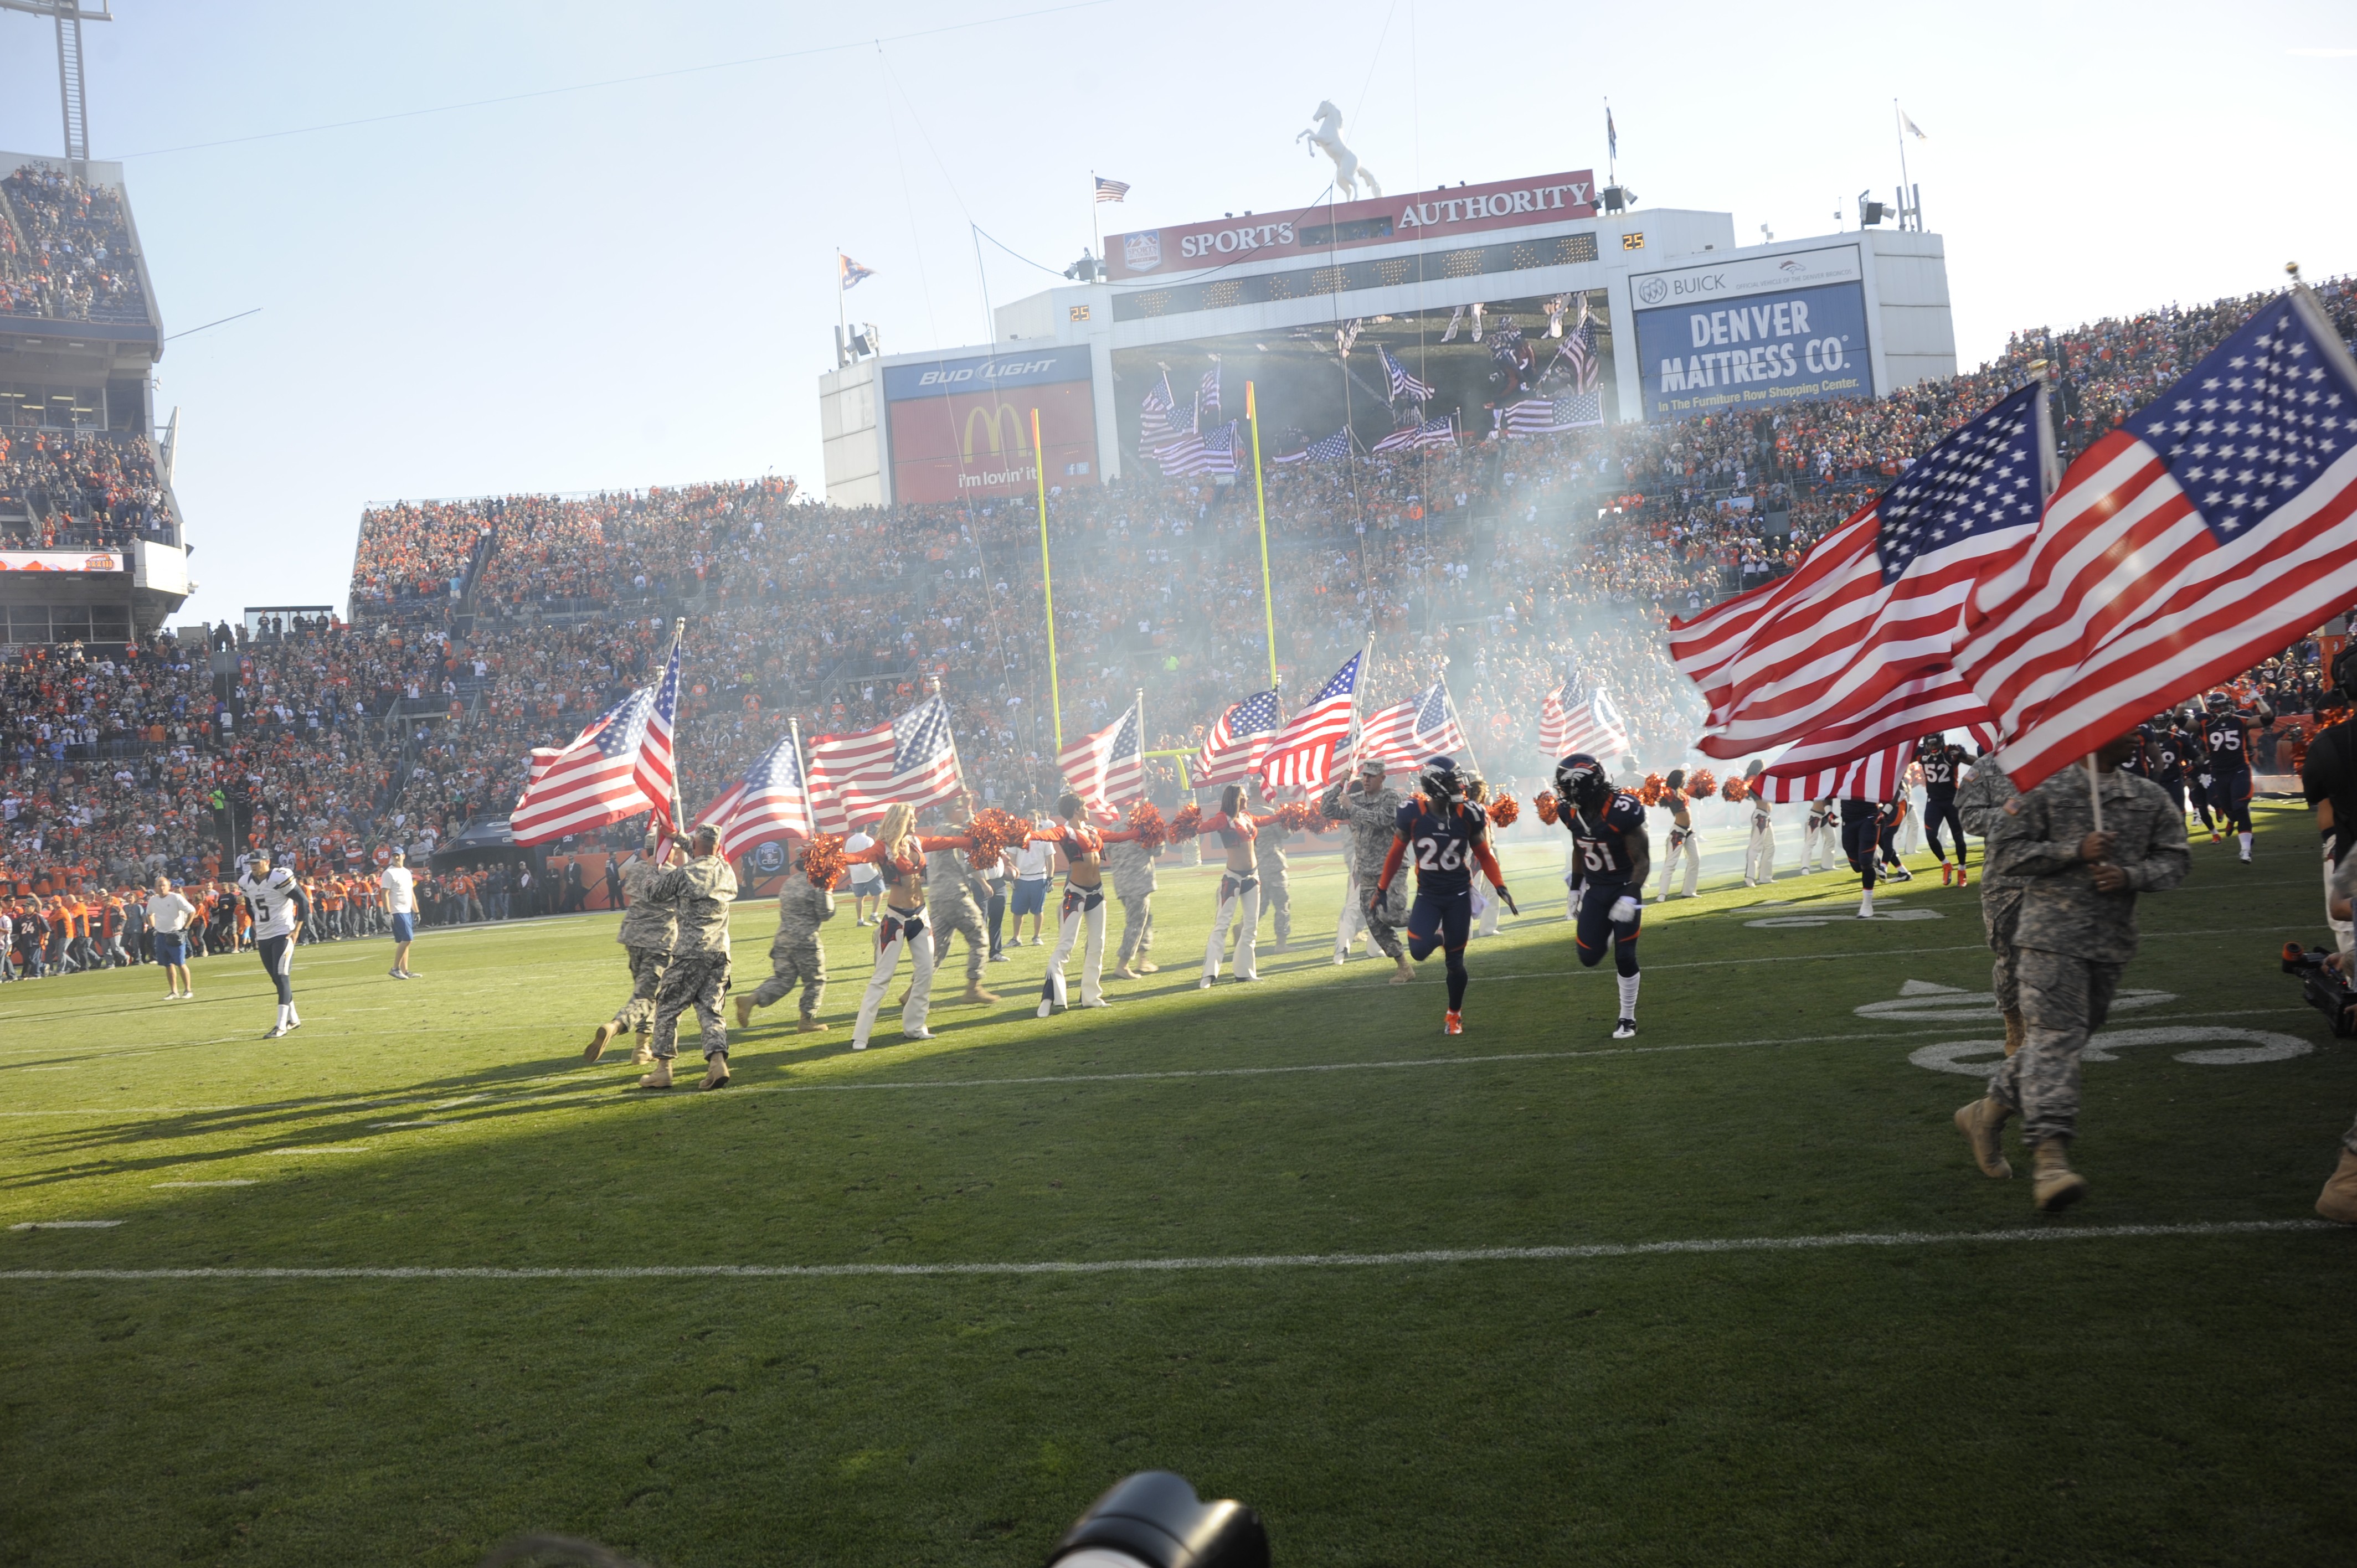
1626 1029
1452 1024
1946 872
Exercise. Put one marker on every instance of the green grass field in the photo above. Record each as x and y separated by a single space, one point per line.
1236 1201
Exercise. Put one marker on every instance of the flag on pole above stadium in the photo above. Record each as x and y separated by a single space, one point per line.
618 766
1881 600
1111 189
1302 753
1593 726
1407 735
854 777
2213 529
851 273
1432 434
1238 740
1611 133
771 802
1108 766
1405 387
1913 129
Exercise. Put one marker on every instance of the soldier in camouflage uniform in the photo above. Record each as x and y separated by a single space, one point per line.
954 895
1980 805
699 893
796 958
2074 933
1269 865
1369 813
647 933
1132 883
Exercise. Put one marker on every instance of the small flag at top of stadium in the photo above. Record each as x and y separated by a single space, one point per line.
1913 129
1611 135
1111 189
852 273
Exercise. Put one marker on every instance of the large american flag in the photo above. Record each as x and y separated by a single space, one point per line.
1231 752
1578 352
1303 751
854 777
1879 601
771 802
1334 449
1109 765
1935 702
1593 726
1431 433
620 766
1548 415
2214 528
1405 387
1877 775
1190 455
1408 735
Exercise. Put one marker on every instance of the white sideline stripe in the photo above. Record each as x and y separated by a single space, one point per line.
1598 1251
321 1149
65 1224
234 1181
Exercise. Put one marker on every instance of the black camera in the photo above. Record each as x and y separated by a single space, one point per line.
2325 988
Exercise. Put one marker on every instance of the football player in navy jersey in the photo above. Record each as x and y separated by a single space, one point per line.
1443 836
1613 857
1940 761
2164 758
2226 735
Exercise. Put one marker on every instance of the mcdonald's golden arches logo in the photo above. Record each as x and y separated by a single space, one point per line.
1001 424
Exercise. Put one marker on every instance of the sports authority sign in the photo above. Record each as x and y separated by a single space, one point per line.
1344 226
60 561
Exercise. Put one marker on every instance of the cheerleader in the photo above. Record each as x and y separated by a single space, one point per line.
1487 909
1682 837
899 854
1239 888
1082 844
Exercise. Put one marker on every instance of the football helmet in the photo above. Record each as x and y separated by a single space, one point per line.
1441 784
1579 780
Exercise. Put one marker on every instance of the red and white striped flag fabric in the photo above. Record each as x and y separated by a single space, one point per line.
1593 726
1239 739
1108 766
853 778
1876 776
1303 751
771 802
1407 735
1928 705
620 766
2217 526
1881 600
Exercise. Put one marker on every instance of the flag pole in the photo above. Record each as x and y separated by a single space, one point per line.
801 771
1259 500
678 637
1047 583
2094 793
1141 739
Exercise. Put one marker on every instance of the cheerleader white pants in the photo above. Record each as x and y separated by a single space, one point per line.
1083 911
1487 908
893 939
1759 858
1910 832
1242 905
1817 845
1682 842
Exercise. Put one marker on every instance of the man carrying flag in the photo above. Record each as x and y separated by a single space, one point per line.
1108 766
771 804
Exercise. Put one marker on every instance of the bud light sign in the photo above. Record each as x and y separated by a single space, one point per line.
1755 333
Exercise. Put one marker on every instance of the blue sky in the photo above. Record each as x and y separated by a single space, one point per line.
634 283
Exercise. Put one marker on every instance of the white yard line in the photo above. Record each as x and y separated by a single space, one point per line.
1595 1252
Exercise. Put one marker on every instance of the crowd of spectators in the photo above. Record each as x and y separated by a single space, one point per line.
65 249
62 489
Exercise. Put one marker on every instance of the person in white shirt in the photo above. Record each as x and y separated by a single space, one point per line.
866 881
276 898
168 914
1034 869
397 896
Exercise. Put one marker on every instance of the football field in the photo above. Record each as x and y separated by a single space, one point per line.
416 1280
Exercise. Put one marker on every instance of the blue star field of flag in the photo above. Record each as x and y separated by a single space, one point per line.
1986 476
1257 714
1124 737
625 724
1344 679
778 768
920 737
2254 423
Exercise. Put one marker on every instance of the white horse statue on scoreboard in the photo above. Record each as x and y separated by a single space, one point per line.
1328 133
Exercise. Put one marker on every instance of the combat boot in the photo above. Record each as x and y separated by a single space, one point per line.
1982 1125
976 994
2058 1186
645 1052
1406 971
1124 973
2017 1033
715 1071
1147 967
598 1041
2337 1201
744 1012
660 1077
810 1026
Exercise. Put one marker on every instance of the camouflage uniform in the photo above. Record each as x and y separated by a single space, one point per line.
1370 819
795 955
700 893
952 885
647 932
2070 941
1980 805
1275 893
1132 865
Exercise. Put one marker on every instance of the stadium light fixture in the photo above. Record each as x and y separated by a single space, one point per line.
1869 213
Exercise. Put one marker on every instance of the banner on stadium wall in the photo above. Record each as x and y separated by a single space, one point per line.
60 561
962 426
1752 334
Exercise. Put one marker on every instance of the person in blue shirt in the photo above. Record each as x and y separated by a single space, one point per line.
1442 834
1611 858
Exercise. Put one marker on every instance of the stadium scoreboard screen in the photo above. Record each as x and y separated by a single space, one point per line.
960 425
1752 333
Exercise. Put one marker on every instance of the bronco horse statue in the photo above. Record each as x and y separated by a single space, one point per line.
1328 133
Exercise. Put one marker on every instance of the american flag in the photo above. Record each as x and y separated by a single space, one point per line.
2214 528
1334 449
1408 735
1593 726
1546 416
1405 387
1207 398
620 766
1432 433
1231 752
1940 701
771 802
854 777
1879 602
1198 454
1157 424
1111 189
1874 776
1107 767
1578 353
1303 751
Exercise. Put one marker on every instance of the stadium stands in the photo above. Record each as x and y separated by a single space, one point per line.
65 251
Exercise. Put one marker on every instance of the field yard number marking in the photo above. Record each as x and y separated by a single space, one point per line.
1922 1002
1837 917
1978 1059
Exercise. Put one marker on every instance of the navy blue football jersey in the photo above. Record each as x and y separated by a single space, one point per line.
1440 844
2226 737
1602 855
2168 754
1939 767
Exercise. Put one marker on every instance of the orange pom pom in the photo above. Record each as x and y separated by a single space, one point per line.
823 861
1544 803
1301 817
1186 823
995 832
1153 833
1503 811
1650 791
1735 791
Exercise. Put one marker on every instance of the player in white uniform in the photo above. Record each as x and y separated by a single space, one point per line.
275 897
